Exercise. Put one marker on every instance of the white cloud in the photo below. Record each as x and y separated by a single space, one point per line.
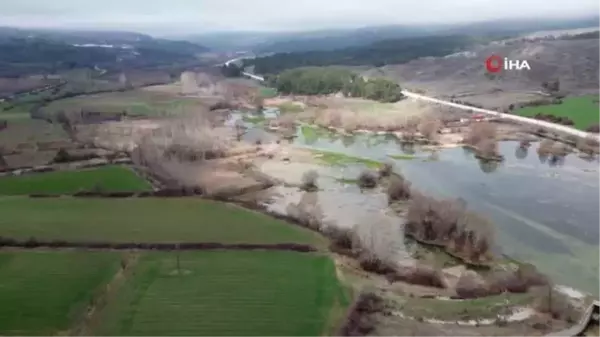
206 15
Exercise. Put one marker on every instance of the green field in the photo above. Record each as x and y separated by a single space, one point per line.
140 102
106 179
226 293
267 92
44 293
582 110
144 220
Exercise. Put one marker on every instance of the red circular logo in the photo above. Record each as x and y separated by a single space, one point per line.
493 64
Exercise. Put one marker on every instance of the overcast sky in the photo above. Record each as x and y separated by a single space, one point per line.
195 16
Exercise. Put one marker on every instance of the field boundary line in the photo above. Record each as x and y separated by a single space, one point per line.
58 244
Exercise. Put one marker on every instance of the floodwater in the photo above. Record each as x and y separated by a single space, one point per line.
544 212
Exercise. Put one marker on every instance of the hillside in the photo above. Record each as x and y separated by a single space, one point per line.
330 39
377 54
51 52
573 61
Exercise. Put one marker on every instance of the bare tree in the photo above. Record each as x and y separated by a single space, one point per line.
367 179
309 180
430 127
480 131
240 129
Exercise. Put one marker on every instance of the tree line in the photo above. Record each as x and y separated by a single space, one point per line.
325 81
377 54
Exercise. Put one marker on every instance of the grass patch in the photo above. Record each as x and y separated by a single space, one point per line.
339 159
107 179
402 156
138 102
253 118
488 307
43 293
268 92
144 220
225 293
583 110
312 134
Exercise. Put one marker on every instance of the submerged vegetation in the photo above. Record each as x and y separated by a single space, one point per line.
482 138
448 223
334 158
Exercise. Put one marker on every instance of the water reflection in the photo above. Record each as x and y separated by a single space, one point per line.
556 161
545 209
348 140
408 148
521 152
488 166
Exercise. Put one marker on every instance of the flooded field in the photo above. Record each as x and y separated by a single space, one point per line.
545 213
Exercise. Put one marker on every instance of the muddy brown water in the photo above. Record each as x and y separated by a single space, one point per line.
545 212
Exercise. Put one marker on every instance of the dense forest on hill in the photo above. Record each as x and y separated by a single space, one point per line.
376 54
332 80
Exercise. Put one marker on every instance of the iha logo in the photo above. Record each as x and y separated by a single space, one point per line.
495 64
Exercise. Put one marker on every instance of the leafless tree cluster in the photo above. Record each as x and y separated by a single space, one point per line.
183 140
556 151
360 320
309 181
589 146
307 211
482 136
520 280
374 245
398 188
285 121
386 169
418 274
329 117
555 303
524 144
429 127
240 129
448 223
367 179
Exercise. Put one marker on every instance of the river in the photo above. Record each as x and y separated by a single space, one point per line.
544 213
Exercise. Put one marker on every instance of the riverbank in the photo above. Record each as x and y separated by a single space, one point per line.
311 208
269 175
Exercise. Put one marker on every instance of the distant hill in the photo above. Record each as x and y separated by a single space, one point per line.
574 61
376 54
25 52
101 38
330 39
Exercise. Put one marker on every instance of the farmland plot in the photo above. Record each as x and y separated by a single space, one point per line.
105 179
43 293
144 220
225 293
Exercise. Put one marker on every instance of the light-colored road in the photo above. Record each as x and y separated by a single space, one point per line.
524 120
